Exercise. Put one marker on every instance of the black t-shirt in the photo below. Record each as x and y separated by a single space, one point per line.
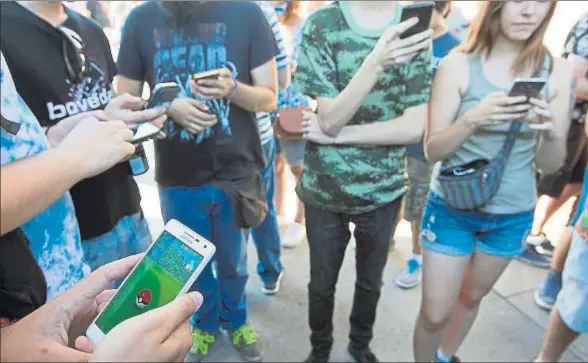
154 49
33 51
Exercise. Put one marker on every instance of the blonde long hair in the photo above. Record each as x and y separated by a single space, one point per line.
485 30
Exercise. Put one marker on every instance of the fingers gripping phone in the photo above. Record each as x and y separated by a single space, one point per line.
423 10
163 94
212 74
529 87
169 268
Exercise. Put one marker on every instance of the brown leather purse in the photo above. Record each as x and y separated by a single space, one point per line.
289 122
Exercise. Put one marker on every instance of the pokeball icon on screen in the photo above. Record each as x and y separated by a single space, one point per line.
143 298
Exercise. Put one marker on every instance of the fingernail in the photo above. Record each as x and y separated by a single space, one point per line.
197 298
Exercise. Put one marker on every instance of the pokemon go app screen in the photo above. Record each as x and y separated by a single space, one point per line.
157 280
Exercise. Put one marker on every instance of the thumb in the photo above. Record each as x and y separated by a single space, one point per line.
168 318
127 100
85 345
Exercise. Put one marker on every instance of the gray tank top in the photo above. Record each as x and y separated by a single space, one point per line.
517 192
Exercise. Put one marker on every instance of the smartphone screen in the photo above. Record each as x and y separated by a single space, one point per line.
156 281
144 132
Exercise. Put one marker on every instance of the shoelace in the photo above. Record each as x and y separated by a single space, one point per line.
201 342
246 333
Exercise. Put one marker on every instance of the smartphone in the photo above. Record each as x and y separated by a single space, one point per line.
163 94
530 87
169 268
143 132
423 10
212 74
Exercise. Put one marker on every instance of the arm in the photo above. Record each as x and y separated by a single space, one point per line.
403 130
128 85
580 66
551 152
263 94
317 77
284 77
336 112
443 134
36 183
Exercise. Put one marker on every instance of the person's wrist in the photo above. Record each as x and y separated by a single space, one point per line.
233 89
72 163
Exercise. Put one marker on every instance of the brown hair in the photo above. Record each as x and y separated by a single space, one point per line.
291 12
485 30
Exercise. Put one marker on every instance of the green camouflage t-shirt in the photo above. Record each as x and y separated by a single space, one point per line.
354 179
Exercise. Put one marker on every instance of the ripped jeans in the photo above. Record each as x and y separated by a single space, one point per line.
459 233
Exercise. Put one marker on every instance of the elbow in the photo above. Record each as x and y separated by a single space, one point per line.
431 154
269 103
329 128
552 166
416 132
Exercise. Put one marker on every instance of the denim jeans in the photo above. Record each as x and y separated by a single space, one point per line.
129 237
208 211
267 236
328 235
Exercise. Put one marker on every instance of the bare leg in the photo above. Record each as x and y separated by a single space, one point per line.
557 339
547 208
442 279
561 251
297 171
482 273
416 237
281 186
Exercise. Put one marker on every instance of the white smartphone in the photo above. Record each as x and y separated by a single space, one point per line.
169 268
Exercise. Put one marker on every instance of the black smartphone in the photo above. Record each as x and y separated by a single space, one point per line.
530 87
163 94
423 10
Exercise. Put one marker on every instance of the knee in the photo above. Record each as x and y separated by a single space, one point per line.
321 291
471 298
433 319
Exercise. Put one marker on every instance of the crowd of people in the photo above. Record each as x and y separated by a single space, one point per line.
419 127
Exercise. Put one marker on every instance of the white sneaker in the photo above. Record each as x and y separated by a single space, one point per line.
411 276
294 235
536 240
282 221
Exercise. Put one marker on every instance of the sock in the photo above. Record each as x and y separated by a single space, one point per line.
441 357
417 258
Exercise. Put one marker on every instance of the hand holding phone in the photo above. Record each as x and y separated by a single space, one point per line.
163 334
169 268
496 108
213 85
392 49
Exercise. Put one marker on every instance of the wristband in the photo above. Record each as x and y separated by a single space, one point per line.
235 85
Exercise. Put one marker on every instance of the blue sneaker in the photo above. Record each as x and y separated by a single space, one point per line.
532 257
546 294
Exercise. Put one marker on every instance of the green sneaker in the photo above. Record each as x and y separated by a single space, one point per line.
201 342
246 341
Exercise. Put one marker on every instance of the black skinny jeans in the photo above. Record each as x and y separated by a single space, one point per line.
328 235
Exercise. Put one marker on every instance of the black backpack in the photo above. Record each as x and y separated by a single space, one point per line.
23 287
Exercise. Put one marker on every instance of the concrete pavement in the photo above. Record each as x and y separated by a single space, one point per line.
510 327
